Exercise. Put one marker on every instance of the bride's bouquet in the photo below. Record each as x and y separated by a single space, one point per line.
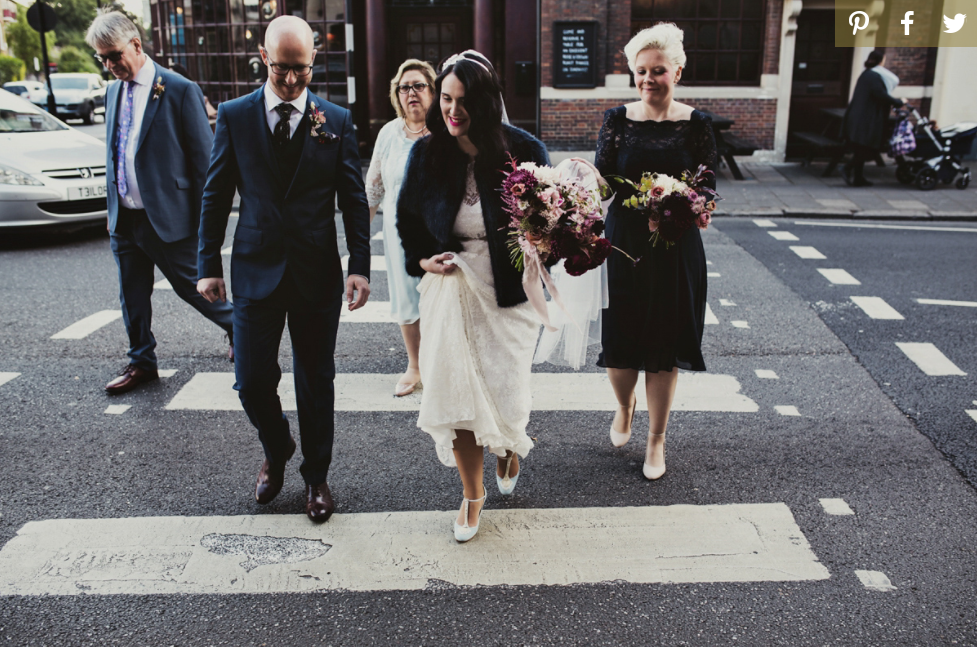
555 213
673 206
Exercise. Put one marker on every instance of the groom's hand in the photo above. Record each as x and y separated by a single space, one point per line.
357 285
212 289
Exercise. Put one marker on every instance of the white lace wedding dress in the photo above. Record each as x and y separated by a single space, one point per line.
475 357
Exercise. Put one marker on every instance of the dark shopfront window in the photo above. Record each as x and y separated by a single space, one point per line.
723 38
217 41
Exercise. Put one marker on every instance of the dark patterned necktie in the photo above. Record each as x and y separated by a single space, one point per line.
284 111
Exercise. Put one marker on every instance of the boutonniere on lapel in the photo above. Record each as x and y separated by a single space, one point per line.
158 88
318 121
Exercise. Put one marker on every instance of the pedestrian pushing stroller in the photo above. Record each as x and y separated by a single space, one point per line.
936 155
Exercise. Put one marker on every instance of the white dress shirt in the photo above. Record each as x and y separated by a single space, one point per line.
142 85
272 100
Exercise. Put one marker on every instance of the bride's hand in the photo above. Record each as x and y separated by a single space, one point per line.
437 265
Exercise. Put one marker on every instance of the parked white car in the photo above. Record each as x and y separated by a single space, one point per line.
79 95
50 173
33 91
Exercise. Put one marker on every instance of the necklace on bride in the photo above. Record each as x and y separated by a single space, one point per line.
414 132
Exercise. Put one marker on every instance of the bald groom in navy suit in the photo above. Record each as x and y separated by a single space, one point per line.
289 154
157 152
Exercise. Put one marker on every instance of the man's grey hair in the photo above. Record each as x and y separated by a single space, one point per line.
111 28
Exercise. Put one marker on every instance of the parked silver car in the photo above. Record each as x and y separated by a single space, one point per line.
79 95
50 173
33 91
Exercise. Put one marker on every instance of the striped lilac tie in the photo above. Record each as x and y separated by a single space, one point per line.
125 121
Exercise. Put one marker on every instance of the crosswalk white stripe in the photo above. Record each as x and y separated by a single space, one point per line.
711 319
763 222
783 235
377 236
6 377
830 223
929 359
372 312
726 302
877 308
551 392
162 284
839 276
874 580
407 551
837 507
766 374
740 324
377 263
807 252
972 413
945 302
88 325
117 409
713 275
787 410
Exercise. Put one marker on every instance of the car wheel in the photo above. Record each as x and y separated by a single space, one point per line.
89 115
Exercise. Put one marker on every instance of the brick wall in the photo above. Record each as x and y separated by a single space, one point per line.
771 45
573 125
913 65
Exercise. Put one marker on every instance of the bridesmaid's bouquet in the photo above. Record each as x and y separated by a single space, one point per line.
673 206
554 215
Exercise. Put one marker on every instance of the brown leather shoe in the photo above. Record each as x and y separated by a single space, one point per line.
130 377
271 478
318 502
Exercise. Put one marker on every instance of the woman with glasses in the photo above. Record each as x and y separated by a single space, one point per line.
411 93
478 329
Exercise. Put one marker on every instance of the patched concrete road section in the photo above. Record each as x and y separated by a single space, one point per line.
408 551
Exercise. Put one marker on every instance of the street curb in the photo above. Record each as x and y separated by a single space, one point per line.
836 214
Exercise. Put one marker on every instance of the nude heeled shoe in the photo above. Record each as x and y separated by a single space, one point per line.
619 439
465 532
651 472
506 483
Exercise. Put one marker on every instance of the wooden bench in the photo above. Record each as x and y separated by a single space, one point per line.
822 146
728 145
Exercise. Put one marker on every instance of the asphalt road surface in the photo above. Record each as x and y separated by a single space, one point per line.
804 504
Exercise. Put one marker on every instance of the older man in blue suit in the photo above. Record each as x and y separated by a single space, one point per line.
159 143
289 154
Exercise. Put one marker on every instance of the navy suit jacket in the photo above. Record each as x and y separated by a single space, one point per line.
284 221
172 153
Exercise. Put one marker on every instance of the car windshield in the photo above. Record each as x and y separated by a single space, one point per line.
17 120
69 83
16 89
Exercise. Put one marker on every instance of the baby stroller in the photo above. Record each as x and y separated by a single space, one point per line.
936 156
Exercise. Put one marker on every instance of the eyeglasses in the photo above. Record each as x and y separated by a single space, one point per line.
282 70
416 87
113 57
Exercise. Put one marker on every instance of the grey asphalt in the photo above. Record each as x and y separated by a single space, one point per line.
915 513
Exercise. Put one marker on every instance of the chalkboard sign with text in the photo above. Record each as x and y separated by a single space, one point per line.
575 54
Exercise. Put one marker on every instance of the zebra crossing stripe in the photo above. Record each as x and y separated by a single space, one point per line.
407 551
929 359
377 263
711 319
88 325
551 392
6 377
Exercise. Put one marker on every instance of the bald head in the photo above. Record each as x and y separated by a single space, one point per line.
288 46
289 33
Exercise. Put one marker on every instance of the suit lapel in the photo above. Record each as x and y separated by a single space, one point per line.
111 117
152 106
260 120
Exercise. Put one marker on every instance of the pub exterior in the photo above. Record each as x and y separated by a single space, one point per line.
768 66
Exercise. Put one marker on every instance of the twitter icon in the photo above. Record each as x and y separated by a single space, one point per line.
955 24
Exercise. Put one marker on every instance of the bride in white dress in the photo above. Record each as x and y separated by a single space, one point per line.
478 332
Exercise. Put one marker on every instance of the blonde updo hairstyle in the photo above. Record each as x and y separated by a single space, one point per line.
666 37
410 64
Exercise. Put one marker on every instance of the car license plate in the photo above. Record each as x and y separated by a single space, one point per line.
86 192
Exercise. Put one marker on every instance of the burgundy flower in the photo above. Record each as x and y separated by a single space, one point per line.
676 216
582 262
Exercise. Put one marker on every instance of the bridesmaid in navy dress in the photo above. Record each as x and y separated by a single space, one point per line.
656 308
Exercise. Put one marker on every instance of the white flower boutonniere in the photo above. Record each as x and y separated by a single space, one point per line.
318 121
158 88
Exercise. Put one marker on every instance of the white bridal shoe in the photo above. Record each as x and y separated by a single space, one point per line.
465 532
651 472
506 483
619 439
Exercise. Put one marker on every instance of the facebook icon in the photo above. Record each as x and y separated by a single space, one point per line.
908 20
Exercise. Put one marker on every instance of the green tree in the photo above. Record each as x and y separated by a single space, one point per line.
11 69
24 41
74 17
73 59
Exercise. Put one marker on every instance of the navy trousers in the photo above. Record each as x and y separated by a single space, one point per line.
312 326
138 249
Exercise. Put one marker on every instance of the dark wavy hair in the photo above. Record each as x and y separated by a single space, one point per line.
874 58
483 102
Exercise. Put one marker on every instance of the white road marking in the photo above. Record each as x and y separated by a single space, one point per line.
859 225
405 551
711 319
372 312
787 410
740 324
167 372
908 204
839 277
709 263
836 507
877 308
837 204
377 263
713 275
972 413
227 250
726 302
162 285
929 359
88 325
875 580
944 302
116 409
377 236
783 235
766 374
551 392
6 377
765 223
807 252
